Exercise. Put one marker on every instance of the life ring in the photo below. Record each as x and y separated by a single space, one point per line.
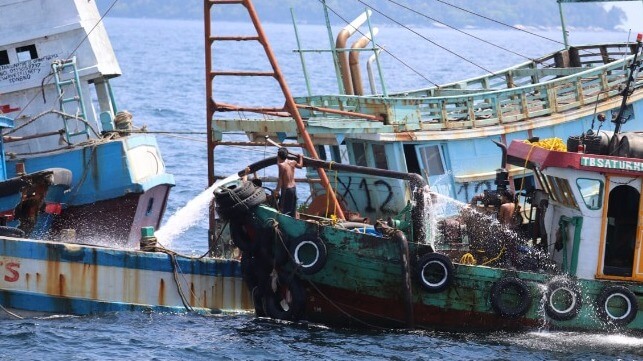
285 298
309 254
510 297
435 272
621 313
563 300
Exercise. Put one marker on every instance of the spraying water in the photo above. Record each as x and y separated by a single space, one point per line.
189 215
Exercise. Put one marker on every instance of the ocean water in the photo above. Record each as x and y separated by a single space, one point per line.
163 86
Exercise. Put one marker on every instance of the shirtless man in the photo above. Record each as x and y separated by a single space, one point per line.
506 214
286 182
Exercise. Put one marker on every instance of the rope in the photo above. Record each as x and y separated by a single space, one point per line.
175 268
468 258
556 144
429 40
456 29
11 313
502 250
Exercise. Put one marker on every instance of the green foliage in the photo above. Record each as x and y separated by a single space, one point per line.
523 12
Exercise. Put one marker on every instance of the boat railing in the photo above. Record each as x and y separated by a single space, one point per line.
560 63
568 88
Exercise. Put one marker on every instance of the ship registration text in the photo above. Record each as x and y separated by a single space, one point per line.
10 270
611 164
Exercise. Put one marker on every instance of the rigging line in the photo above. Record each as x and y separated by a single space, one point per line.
459 30
511 26
498 22
384 49
94 27
427 39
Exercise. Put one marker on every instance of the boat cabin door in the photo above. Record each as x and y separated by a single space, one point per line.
623 229
433 167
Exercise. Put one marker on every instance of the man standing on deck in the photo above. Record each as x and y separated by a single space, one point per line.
286 182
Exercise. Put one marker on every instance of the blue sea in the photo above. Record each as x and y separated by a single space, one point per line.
163 87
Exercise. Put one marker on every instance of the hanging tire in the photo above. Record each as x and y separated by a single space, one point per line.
242 206
230 193
563 300
510 297
239 236
309 254
11 232
617 305
285 298
435 272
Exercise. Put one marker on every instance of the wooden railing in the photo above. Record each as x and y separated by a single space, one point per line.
522 92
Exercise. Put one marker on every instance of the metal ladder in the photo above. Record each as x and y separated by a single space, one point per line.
66 79
289 109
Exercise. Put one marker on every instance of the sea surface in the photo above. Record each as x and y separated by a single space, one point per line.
163 87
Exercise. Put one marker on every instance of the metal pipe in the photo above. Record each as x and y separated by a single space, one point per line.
355 72
562 23
340 47
369 70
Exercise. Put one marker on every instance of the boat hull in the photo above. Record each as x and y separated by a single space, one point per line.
51 277
362 284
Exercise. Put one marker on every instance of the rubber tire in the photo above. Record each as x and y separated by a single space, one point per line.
610 291
239 236
243 207
227 195
272 300
12 232
504 310
569 313
432 259
320 260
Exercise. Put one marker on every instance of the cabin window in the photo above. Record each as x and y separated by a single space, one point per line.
4 57
359 152
379 155
339 154
412 164
432 160
27 52
561 191
321 152
592 192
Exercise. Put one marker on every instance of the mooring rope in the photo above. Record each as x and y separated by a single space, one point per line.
11 313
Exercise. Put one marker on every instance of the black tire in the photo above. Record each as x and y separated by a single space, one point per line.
515 307
275 300
605 306
563 300
309 254
231 193
11 232
435 272
239 236
243 206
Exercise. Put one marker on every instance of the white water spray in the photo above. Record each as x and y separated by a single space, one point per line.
190 214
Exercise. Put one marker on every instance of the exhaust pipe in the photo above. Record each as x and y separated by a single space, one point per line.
342 57
356 74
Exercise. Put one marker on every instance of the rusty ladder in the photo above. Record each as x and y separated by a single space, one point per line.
290 107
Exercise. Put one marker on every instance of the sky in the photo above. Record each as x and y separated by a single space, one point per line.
634 11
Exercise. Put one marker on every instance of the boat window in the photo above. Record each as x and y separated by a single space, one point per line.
4 57
379 155
561 189
592 192
431 160
321 152
360 154
339 154
27 52
412 164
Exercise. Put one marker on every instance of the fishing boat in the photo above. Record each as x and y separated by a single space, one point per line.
82 191
55 73
574 263
443 132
